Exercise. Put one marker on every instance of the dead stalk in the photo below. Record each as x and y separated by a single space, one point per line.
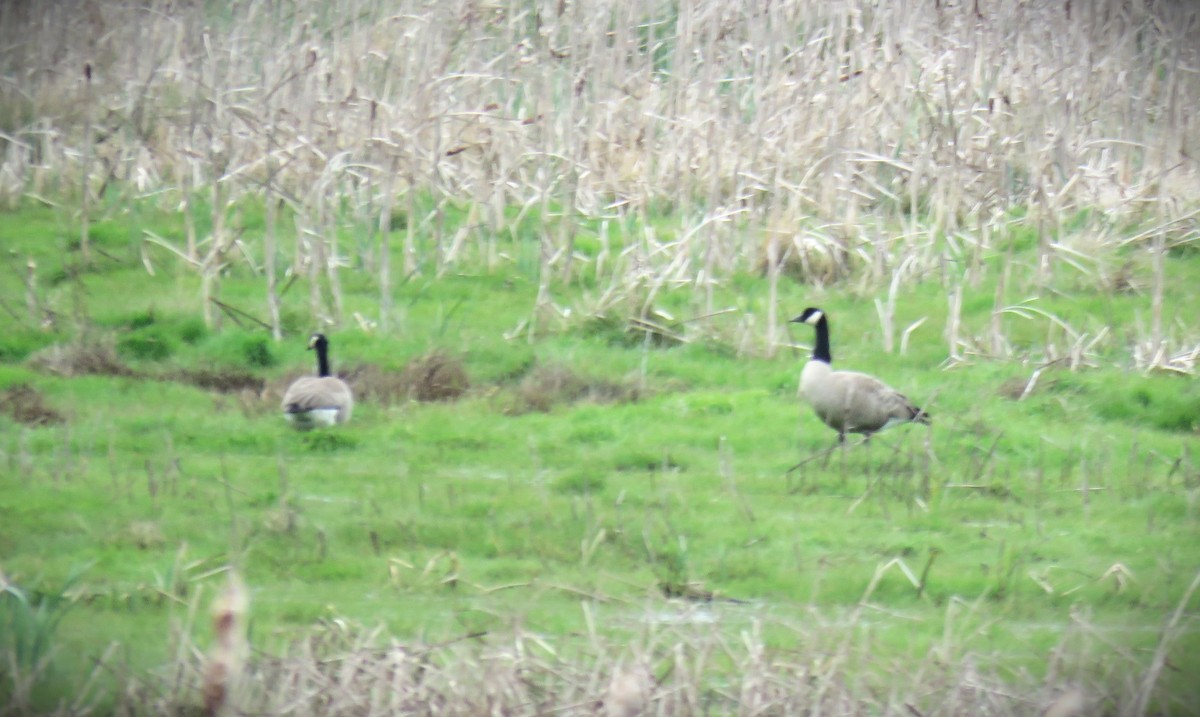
227 656
710 117
1170 633
85 196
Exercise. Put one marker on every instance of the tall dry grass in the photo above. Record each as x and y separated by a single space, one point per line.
670 662
840 135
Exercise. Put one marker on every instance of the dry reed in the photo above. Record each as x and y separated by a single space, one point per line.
674 665
825 125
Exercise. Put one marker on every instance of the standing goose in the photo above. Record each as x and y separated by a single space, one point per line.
848 401
320 400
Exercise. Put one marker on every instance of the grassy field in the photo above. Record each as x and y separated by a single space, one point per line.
555 246
590 474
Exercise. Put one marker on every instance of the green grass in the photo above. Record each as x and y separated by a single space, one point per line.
414 516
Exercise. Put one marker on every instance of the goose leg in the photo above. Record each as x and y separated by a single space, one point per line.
841 443
826 453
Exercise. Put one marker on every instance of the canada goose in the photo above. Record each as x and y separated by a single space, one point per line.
848 401
320 400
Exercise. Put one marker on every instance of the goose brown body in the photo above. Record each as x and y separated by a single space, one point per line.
849 401
321 400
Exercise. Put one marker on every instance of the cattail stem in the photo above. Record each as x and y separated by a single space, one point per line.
31 299
331 261
85 199
385 250
1159 253
954 320
269 236
772 294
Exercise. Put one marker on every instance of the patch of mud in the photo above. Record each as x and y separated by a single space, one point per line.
1020 387
219 380
436 376
551 384
375 384
92 356
25 404
433 377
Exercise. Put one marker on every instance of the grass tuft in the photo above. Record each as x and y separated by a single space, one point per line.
436 376
1168 405
16 345
551 384
30 615
25 404
221 380
584 482
375 384
86 355
327 441
256 351
150 343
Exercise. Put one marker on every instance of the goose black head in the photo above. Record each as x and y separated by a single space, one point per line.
317 341
811 316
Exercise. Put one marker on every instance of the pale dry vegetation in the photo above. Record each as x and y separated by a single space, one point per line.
550 384
826 141
85 355
671 662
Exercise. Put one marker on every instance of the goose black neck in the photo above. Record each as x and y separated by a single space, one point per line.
322 360
821 350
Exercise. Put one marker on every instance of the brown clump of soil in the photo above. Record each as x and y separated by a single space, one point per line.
220 380
25 404
1020 387
374 384
96 356
1125 280
436 377
548 385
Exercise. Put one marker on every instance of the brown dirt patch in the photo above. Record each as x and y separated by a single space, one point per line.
1019 387
25 404
95 356
375 384
551 384
436 376
219 380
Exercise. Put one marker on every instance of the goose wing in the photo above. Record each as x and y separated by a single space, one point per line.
312 393
864 404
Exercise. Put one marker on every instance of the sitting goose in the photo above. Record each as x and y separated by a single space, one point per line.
320 400
847 401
